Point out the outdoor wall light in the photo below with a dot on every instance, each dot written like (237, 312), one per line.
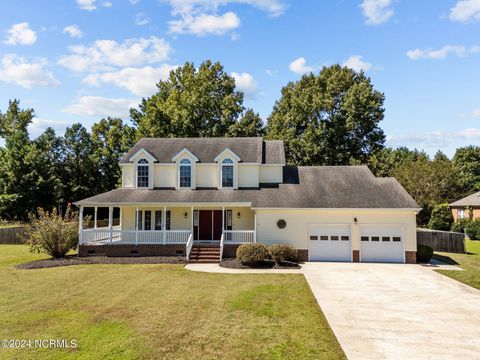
(185, 215)
(355, 221)
(238, 215)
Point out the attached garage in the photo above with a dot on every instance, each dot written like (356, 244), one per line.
(330, 242)
(382, 243)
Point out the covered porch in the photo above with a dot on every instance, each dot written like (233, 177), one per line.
(167, 224)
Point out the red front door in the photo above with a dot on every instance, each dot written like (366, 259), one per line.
(209, 224)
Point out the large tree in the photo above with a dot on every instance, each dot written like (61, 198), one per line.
(385, 161)
(111, 139)
(250, 124)
(23, 184)
(429, 183)
(191, 102)
(329, 119)
(467, 164)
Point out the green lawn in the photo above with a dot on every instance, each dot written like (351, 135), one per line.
(159, 312)
(470, 262)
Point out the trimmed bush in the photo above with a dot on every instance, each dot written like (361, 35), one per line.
(460, 225)
(472, 229)
(282, 252)
(441, 218)
(251, 254)
(424, 253)
(50, 233)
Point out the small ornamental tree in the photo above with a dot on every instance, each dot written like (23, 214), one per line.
(441, 218)
(51, 233)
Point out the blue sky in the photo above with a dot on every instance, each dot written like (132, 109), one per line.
(80, 60)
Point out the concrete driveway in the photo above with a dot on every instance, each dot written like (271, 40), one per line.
(397, 311)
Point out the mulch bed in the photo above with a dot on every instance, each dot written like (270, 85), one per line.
(75, 260)
(267, 264)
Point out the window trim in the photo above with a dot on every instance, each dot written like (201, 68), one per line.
(185, 163)
(144, 163)
(461, 213)
(227, 162)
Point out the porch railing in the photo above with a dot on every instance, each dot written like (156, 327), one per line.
(189, 246)
(239, 236)
(135, 237)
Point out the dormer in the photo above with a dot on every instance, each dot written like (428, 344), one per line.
(227, 167)
(143, 168)
(185, 162)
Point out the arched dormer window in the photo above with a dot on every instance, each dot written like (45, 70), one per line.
(142, 173)
(185, 176)
(227, 173)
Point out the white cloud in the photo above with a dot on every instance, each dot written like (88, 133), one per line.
(204, 24)
(39, 125)
(92, 4)
(87, 4)
(245, 83)
(134, 2)
(139, 81)
(105, 54)
(473, 114)
(141, 19)
(101, 106)
(465, 11)
(443, 52)
(73, 31)
(376, 11)
(17, 70)
(299, 66)
(436, 138)
(21, 34)
(201, 17)
(356, 63)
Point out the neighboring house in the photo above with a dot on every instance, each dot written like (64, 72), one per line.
(461, 208)
(180, 193)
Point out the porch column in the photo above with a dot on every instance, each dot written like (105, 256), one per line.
(136, 226)
(80, 225)
(191, 214)
(164, 223)
(95, 218)
(223, 219)
(110, 222)
(254, 226)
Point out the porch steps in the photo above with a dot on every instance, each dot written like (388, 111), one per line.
(205, 254)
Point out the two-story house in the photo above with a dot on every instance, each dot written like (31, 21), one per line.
(178, 194)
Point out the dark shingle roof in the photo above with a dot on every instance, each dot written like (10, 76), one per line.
(250, 150)
(470, 200)
(303, 187)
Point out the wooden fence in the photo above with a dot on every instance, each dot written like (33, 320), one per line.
(446, 241)
(12, 235)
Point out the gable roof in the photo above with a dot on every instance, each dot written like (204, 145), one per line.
(353, 187)
(470, 200)
(250, 150)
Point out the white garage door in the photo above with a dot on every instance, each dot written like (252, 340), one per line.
(330, 242)
(382, 243)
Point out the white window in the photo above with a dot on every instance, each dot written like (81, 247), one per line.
(227, 173)
(185, 176)
(461, 213)
(142, 173)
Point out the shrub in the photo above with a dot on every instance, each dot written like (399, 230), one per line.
(250, 254)
(472, 229)
(52, 234)
(424, 253)
(282, 252)
(460, 225)
(441, 218)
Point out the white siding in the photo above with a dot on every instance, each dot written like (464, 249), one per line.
(296, 231)
(207, 175)
(128, 176)
(248, 175)
(271, 174)
(164, 175)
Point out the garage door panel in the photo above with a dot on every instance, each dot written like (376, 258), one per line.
(330, 242)
(382, 243)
